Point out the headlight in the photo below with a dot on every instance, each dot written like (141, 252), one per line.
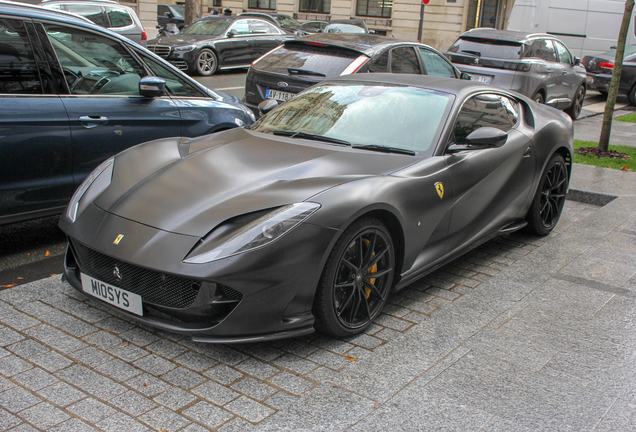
(256, 234)
(105, 167)
(185, 48)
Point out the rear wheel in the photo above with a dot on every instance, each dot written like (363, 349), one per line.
(577, 103)
(538, 98)
(548, 202)
(356, 281)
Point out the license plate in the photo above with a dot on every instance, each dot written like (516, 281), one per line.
(279, 95)
(480, 78)
(118, 297)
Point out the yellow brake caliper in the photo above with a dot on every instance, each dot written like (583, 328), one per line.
(367, 291)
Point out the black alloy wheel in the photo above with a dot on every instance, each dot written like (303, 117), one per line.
(356, 281)
(548, 202)
(577, 103)
(206, 62)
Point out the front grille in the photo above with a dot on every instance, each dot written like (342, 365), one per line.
(160, 50)
(230, 293)
(180, 64)
(154, 287)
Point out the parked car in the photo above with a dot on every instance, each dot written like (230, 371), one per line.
(314, 26)
(599, 72)
(536, 65)
(93, 95)
(282, 21)
(360, 185)
(300, 63)
(219, 42)
(105, 13)
(172, 14)
(347, 26)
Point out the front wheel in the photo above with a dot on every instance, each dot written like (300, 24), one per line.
(206, 62)
(577, 103)
(356, 281)
(548, 202)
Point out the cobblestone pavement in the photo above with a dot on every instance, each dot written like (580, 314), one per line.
(522, 333)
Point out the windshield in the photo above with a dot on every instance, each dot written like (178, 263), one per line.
(409, 118)
(179, 11)
(286, 21)
(488, 48)
(212, 27)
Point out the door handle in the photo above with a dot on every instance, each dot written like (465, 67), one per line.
(90, 122)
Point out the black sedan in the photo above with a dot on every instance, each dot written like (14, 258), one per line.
(219, 42)
(599, 70)
(307, 219)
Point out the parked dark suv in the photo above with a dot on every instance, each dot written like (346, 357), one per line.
(72, 94)
(303, 62)
(536, 65)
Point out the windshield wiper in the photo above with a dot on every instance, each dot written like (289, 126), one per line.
(294, 71)
(384, 149)
(477, 53)
(307, 135)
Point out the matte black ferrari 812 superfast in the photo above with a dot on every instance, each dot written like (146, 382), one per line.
(308, 218)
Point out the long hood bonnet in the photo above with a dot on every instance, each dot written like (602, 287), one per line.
(228, 174)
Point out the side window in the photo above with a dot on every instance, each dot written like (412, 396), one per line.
(485, 110)
(241, 27)
(94, 64)
(436, 65)
(563, 53)
(380, 63)
(18, 70)
(118, 17)
(92, 12)
(261, 27)
(177, 86)
(542, 49)
(161, 10)
(404, 60)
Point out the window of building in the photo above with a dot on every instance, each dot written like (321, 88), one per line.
(262, 4)
(374, 8)
(318, 6)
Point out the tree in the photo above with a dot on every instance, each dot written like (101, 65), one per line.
(603, 143)
(191, 11)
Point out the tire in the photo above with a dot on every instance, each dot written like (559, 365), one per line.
(206, 63)
(603, 93)
(632, 95)
(348, 298)
(577, 103)
(547, 204)
(538, 98)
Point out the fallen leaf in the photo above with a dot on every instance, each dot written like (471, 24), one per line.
(163, 430)
(125, 344)
(626, 168)
(47, 253)
(145, 385)
(351, 358)
(7, 286)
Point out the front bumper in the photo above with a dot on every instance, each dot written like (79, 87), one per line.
(260, 295)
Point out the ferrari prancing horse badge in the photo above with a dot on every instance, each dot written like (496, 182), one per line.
(439, 187)
(118, 239)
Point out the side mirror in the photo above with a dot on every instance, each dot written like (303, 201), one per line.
(232, 33)
(465, 76)
(151, 87)
(577, 61)
(482, 138)
(267, 105)
(168, 14)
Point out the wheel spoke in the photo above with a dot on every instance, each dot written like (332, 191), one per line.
(377, 258)
(356, 307)
(346, 303)
(350, 265)
(364, 301)
(344, 285)
(374, 289)
(369, 255)
(377, 274)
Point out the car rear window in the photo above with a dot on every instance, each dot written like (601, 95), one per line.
(489, 48)
(321, 60)
(119, 17)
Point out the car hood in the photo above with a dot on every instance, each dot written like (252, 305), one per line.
(181, 39)
(229, 174)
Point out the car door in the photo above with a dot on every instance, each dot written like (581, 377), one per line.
(570, 77)
(35, 139)
(107, 113)
(235, 48)
(264, 37)
(491, 185)
(547, 71)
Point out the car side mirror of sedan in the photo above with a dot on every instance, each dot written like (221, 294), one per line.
(232, 33)
(151, 87)
(267, 105)
(482, 138)
(465, 76)
(577, 61)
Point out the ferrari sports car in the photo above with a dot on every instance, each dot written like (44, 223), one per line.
(308, 219)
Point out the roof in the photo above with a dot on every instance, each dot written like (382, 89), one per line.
(360, 42)
(29, 10)
(504, 35)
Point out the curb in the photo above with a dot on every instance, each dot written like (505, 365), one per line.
(589, 197)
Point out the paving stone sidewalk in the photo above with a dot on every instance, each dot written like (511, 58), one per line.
(521, 334)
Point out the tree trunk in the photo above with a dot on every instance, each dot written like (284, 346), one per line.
(603, 142)
(191, 11)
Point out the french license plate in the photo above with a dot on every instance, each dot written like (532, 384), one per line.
(480, 78)
(118, 297)
(279, 95)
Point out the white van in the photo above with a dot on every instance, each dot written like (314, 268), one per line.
(586, 26)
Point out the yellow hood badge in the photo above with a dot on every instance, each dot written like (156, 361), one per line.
(118, 239)
(439, 187)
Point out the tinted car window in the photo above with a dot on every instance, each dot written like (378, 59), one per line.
(563, 53)
(404, 60)
(241, 27)
(261, 27)
(326, 61)
(161, 10)
(488, 48)
(119, 17)
(94, 64)
(380, 63)
(176, 85)
(213, 27)
(18, 71)
(543, 49)
(436, 65)
(92, 12)
(485, 110)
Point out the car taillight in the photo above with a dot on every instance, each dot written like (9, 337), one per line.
(355, 65)
(606, 65)
(144, 36)
(521, 67)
